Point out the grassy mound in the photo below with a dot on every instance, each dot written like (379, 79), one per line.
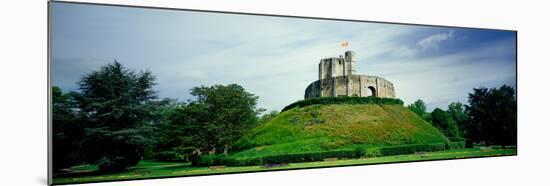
(316, 128)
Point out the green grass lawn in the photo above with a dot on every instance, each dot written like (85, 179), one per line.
(150, 169)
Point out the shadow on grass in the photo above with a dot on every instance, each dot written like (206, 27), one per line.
(177, 167)
(135, 170)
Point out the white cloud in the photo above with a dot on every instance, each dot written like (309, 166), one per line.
(434, 41)
(272, 57)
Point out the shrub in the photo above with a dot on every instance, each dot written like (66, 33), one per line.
(373, 152)
(456, 145)
(211, 160)
(360, 151)
(308, 157)
(343, 100)
(410, 149)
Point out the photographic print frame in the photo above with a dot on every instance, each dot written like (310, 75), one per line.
(316, 91)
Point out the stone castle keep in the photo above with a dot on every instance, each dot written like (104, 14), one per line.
(337, 78)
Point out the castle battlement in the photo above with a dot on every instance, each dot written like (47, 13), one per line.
(337, 78)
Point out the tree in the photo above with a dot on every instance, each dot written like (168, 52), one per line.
(185, 134)
(458, 113)
(444, 122)
(67, 130)
(160, 111)
(493, 115)
(419, 107)
(212, 123)
(232, 111)
(113, 102)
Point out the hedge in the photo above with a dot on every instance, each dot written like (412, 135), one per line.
(213, 160)
(411, 149)
(456, 145)
(343, 100)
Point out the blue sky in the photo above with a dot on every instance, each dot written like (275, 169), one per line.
(275, 57)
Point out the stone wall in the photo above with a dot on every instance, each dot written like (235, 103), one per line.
(353, 85)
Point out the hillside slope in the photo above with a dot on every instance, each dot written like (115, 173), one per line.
(337, 126)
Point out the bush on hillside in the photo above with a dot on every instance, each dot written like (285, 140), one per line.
(343, 100)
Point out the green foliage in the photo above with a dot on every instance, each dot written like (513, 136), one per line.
(412, 148)
(232, 112)
(185, 129)
(342, 100)
(459, 115)
(67, 130)
(456, 145)
(444, 122)
(112, 102)
(359, 151)
(213, 122)
(493, 114)
(212, 160)
(418, 107)
(160, 112)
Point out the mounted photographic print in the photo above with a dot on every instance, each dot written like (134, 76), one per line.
(140, 93)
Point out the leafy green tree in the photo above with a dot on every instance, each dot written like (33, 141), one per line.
(493, 115)
(113, 102)
(232, 112)
(419, 107)
(185, 134)
(212, 123)
(67, 130)
(458, 113)
(160, 111)
(444, 122)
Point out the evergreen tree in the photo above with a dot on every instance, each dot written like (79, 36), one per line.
(493, 115)
(67, 130)
(113, 102)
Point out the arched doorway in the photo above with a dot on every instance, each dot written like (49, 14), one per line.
(371, 92)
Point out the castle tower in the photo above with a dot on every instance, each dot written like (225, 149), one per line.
(350, 62)
(338, 77)
(334, 67)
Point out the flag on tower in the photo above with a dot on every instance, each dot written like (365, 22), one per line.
(344, 44)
